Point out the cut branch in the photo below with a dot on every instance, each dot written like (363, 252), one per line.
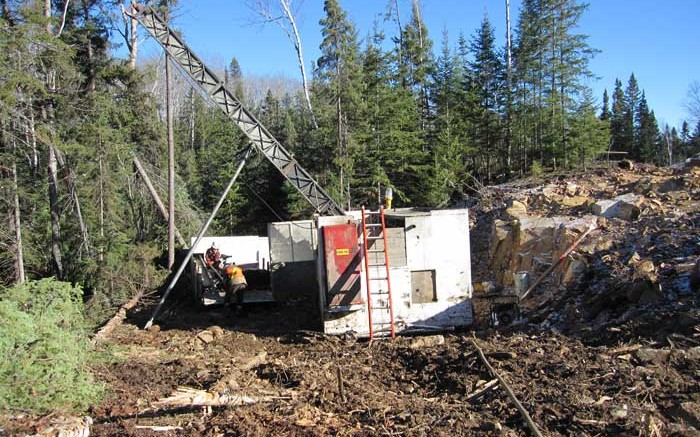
(530, 423)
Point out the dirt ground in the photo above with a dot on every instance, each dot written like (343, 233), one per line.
(587, 360)
(569, 386)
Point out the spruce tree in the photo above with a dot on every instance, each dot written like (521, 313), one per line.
(488, 81)
(605, 110)
(631, 117)
(338, 87)
(647, 132)
(622, 139)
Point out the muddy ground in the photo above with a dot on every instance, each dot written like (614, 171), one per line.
(585, 360)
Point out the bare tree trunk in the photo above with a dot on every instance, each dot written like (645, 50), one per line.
(16, 225)
(63, 18)
(30, 136)
(51, 166)
(398, 25)
(156, 198)
(171, 165)
(69, 178)
(133, 41)
(55, 214)
(47, 15)
(296, 40)
(263, 8)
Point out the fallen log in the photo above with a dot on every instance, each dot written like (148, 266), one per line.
(528, 420)
(117, 320)
(192, 397)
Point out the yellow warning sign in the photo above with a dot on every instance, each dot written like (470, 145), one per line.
(342, 252)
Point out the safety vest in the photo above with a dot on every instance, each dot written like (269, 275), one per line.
(236, 275)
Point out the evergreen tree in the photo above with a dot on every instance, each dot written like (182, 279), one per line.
(694, 143)
(488, 81)
(647, 132)
(684, 146)
(622, 138)
(338, 86)
(391, 149)
(448, 139)
(589, 134)
(551, 64)
(416, 63)
(605, 114)
(631, 117)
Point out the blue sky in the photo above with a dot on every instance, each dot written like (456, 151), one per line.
(657, 40)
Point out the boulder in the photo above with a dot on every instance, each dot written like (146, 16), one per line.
(574, 201)
(625, 207)
(516, 210)
(205, 337)
(575, 273)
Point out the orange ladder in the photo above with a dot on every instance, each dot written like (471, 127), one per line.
(379, 307)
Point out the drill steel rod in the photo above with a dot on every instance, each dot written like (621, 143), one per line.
(259, 136)
(559, 261)
(200, 234)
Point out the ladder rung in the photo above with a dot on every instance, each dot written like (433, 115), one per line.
(383, 278)
(376, 238)
(374, 225)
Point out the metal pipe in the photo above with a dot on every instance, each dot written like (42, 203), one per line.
(200, 234)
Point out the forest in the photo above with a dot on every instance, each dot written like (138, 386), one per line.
(432, 115)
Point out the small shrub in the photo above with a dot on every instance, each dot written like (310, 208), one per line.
(536, 168)
(45, 349)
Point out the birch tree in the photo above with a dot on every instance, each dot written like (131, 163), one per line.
(283, 14)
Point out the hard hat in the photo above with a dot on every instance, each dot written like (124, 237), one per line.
(214, 245)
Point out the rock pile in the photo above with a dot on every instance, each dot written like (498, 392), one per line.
(638, 264)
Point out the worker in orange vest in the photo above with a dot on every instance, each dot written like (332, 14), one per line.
(237, 285)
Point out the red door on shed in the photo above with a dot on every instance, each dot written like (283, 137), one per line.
(342, 256)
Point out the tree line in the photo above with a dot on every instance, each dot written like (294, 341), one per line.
(392, 108)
